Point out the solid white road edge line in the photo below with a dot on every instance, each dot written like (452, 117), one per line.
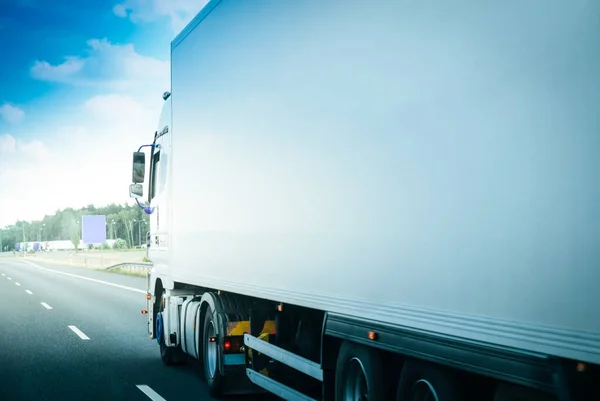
(153, 395)
(29, 292)
(45, 305)
(124, 287)
(80, 333)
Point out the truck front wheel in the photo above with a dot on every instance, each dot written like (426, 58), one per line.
(168, 355)
(211, 355)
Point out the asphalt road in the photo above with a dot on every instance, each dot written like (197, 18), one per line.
(64, 337)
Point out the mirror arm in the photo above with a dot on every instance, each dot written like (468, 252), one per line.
(145, 146)
(146, 209)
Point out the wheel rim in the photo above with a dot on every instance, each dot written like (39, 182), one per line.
(211, 351)
(423, 391)
(356, 388)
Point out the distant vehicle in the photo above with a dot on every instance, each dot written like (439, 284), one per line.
(380, 200)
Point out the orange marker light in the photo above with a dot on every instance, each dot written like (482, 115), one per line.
(280, 307)
(144, 312)
(212, 340)
(581, 367)
(148, 296)
(372, 335)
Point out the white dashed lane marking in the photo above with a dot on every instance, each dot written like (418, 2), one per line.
(153, 395)
(80, 333)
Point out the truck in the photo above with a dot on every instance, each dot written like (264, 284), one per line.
(383, 200)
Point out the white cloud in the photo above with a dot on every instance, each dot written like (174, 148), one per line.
(33, 149)
(107, 65)
(120, 11)
(8, 144)
(85, 158)
(11, 114)
(111, 107)
(88, 162)
(179, 12)
(21, 163)
(64, 73)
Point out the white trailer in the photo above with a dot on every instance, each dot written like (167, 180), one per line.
(380, 200)
(61, 245)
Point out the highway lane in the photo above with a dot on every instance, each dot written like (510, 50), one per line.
(66, 337)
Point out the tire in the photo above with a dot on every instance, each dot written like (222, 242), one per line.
(419, 377)
(359, 372)
(211, 355)
(168, 355)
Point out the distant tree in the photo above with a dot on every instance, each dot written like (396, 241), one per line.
(120, 243)
(75, 240)
(74, 234)
(62, 225)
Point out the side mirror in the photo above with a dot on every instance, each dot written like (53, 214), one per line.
(136, 191)
(139, 167)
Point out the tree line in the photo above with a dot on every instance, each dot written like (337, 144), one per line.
(127, 222)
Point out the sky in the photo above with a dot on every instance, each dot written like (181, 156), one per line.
(81, 86)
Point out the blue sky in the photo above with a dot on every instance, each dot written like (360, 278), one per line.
(80, 88)
(40, 30)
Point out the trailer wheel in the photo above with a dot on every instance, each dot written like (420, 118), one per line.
(211, 355)
(421, 381)
(359, 374)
